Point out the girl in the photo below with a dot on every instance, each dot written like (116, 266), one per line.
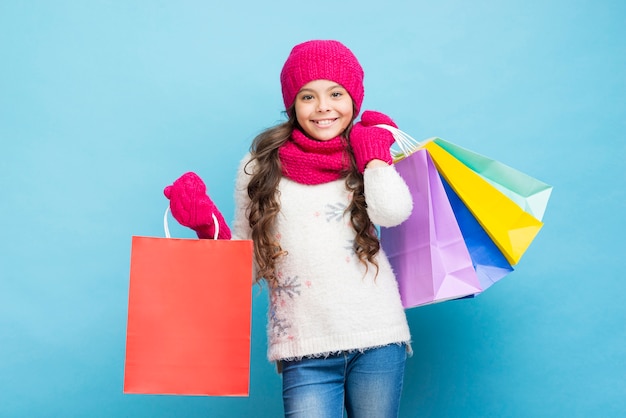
(309, 195)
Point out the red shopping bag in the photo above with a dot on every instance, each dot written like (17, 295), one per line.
(189, 316)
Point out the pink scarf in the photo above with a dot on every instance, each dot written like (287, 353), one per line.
(307, 161)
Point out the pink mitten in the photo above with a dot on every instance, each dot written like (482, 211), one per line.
(371, 143)
(193, 208)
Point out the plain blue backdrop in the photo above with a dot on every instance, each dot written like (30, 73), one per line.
(103, 103)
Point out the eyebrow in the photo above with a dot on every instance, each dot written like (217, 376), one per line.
(328, 89)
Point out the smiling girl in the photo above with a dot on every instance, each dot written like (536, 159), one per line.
(309, 194)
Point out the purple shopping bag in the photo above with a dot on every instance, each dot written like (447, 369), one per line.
(427, 251)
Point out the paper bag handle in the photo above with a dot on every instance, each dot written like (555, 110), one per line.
(167, 229)
(407, 144)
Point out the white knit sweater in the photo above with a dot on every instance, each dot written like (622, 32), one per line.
(326, 301)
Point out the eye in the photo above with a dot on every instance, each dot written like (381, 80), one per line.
(306, 97)
(336, 94)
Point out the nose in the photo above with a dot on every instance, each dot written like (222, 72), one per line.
(323, 105)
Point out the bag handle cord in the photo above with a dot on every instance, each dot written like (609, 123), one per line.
(167, 229)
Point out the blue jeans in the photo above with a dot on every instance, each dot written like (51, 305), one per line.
(367, 384)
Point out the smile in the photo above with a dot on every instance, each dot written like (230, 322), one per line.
(324, 122)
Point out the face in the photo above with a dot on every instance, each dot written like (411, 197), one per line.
(324, 109)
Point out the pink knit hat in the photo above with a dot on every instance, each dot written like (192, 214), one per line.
(322, 60)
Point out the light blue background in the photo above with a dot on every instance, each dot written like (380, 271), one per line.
(103, 103)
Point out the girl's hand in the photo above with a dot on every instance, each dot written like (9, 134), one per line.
(369, 142)
(193, 208)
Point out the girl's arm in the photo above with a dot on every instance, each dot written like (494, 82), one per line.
(389, 201)
(241, 226)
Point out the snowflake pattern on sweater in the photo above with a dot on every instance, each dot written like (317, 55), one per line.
(325, 300)
(280, 295)
(335, 212)
(289, 288)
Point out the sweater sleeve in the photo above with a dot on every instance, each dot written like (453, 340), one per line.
(241, 227)
(389, 201)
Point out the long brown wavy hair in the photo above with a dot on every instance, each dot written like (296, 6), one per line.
(264, 206)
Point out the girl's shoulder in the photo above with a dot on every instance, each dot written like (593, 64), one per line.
(247, 164)
(247, 168)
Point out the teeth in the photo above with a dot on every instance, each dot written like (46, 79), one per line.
(324, 122)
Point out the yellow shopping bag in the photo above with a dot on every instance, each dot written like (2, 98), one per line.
(509, 226)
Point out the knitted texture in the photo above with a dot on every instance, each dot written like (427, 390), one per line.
(308, 161)
(322, 60)
(324, 301)
(193, 208)
(369, 142)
